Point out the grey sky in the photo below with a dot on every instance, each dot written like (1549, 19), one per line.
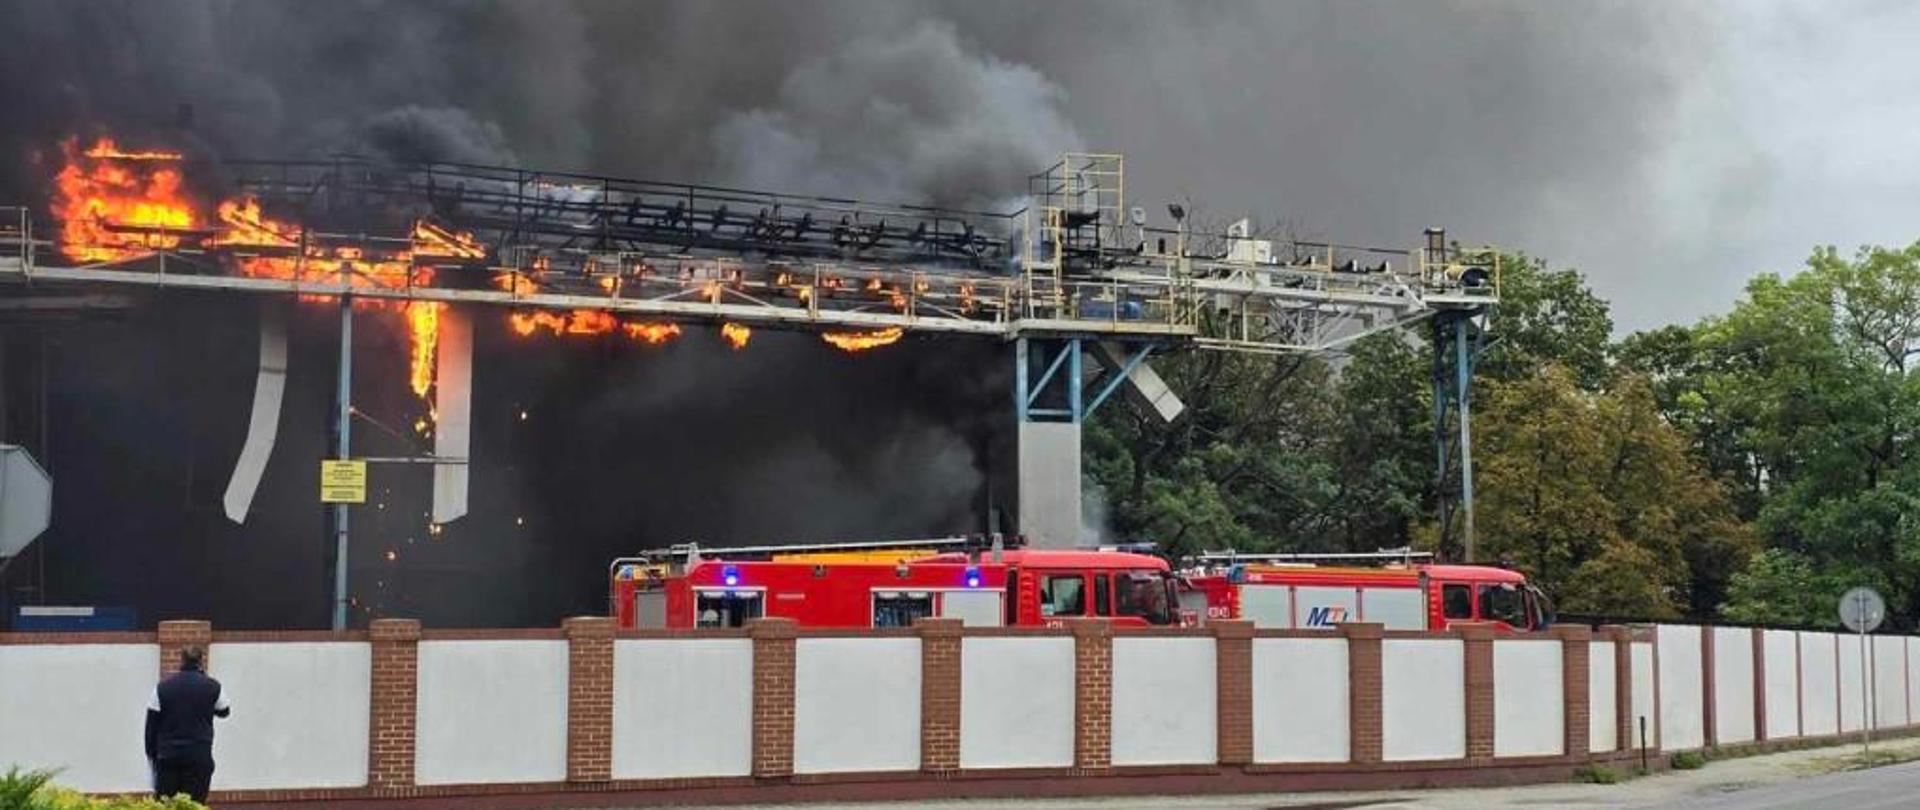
(1668, 150)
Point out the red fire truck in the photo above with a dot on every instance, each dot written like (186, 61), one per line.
(1407, 592)
(891, 584)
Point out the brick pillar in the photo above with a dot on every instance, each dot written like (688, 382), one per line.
(773, 643)
(1576, 652)
(1759, 684)
(1092, 695)
(589, 698)
(1363, 690)
(1707, 691)
(396, 681)
(1233, 689)
(940, 641)
(1479, 659)
(1624, 734)
(177, 634)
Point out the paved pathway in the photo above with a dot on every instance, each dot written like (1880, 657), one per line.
(1787, 781)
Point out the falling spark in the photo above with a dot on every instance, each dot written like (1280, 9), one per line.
(736, 335)
(523, 416)
(862, 341)
(392, 555)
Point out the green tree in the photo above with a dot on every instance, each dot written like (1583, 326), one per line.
(1548, 316)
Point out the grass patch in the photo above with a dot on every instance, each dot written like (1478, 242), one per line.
(1860, 761)
(1596, 775)
(1689, 761)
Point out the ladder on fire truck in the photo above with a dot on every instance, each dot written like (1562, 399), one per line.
(1404, 555)
(681, 555)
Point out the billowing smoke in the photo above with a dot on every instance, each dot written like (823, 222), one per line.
(910, 116)
(1367, 121)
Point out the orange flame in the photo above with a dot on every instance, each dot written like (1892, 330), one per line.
(516, 283)
(862, 341)
(105, 148)
(590, 322)
(111, 210)
(423, 327)
(736, 334)
(655, 333)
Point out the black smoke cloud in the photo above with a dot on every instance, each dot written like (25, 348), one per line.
(1364, 120)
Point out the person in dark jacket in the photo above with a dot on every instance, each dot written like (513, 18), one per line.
(180, 729)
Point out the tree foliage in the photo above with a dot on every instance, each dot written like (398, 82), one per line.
(1755, 463)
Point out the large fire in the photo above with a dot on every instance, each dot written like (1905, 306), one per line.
(116, 205)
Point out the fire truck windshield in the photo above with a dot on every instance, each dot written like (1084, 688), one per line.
(1145, 595)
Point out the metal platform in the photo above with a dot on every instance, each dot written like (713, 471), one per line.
(1076, 263)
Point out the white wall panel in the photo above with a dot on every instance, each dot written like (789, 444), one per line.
(1423, 699)
(300, 714)
(1855, 701)
(1646, 709)
(1889, 681)
(78, 708)
(1819, 687)
(1913, 678)
(1682, 692)
(491, 711)
(1164, 699)
(1603, 733)
(682, 708)
(1529, 709)
(1300, 700)
(856, 705)
(1016, 702)
(1783, 683)
(1733, 701)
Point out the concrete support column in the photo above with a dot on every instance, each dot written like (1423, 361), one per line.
(1092, 695)
(1576, 653)
(396, 683)
(1364, 689)
(589, 698)
(773, 677)
(1233, 689)
(940, 641)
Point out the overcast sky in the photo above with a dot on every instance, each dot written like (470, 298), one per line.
(1668, 150)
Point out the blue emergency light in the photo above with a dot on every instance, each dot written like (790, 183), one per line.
(730, 575)
(973, 576)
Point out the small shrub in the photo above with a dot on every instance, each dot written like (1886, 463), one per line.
(1689, 760)
(1596, 775)
(34, 790)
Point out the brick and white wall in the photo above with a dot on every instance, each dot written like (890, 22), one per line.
(774, 712)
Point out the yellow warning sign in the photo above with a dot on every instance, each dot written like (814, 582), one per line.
(343, 481)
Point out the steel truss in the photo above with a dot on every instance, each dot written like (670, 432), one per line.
(1075, 262)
